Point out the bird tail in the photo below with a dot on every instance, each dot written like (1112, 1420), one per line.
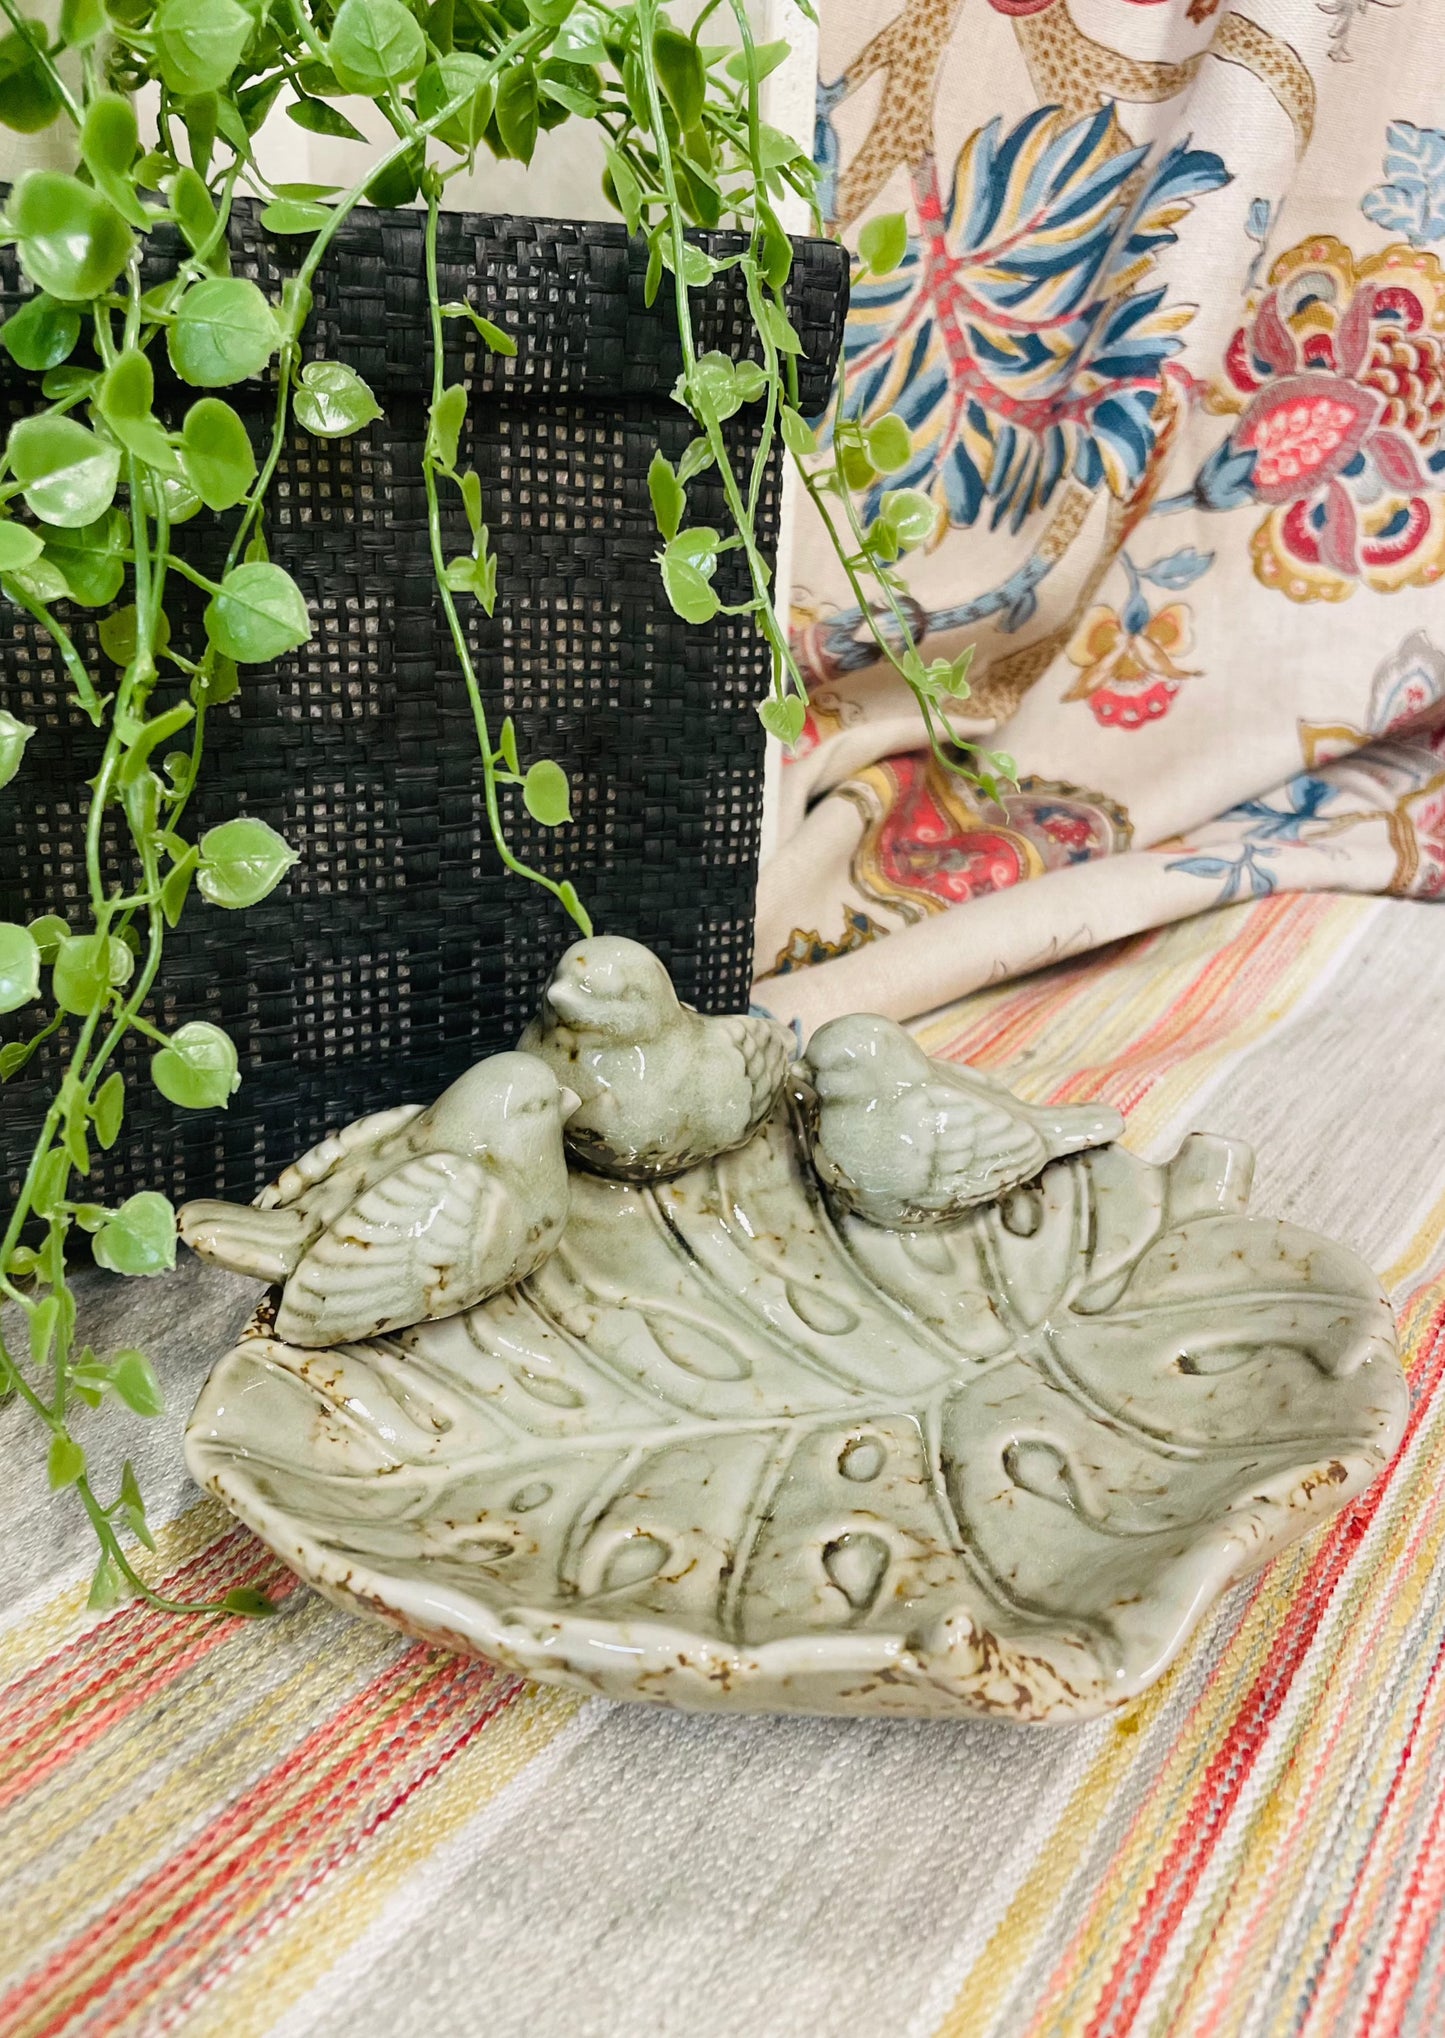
(1069, 1128)
(265, 1243)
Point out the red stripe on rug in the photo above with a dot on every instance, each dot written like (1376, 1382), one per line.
(120, 1632)
(1226, 975)
(1229, 1770)
(97, 1681)
(282, 1834)
(1419, 1905)
(999, 1038)
(211, 1946)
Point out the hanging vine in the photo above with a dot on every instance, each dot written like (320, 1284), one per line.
(96, 491)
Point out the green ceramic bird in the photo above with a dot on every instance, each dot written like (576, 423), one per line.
(662, 1087)
(908, 1142)
(408, 1215)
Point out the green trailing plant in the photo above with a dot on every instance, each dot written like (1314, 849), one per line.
(97, 490)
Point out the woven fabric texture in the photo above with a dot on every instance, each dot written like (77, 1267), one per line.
(314, 1829)
(398, 950)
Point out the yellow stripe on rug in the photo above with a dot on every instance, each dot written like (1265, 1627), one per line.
(318, 1936)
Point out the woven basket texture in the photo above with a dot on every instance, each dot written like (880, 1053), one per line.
(398, 950)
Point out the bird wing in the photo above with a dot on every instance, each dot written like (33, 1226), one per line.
(766, 1049)
(326, 1156)
(418, 1243)
(981, 1145)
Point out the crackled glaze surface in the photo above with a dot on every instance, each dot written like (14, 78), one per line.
(728, 1448)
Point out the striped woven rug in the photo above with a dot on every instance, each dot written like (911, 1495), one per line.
(310, 1826)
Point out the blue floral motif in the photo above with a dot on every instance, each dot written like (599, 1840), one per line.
(1266, 830)
(1411, 201)
(1014, 337)
(1257, 224)
(1180, 570)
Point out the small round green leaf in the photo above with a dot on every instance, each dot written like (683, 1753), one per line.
(784, 718)
(65, 385)
(43, 582)
(447, 79)
(224, 330)
(66, 1462)
(245, 1599)
(669, 498)
(47, 933)
(622, 189)
(318, 118)
(517, 114)
(241, 861)
(89, 557)
(118, 633)
(86, 967)
(41, 334)
(259, 614)
(294, 216)
(883, 243)
(19, 545)
(108, 1109)
(73, 243)
(110, 136)
(69, 476)
(497, 341)
(191, 204)
(398, 182)
(105, 1585)
(375, 45)
(128, 387)
(858, 470)
(28, 98)
(81, 22)
(181, 501)
(690, 591)
(109, 144)
(444, 424)
(889, 443)
(216, 453)
(545, 794)
(910, 514)
(19, 966)
(199, 43)
(133, 1378)
(13, 735)
(699, 546)
(332, 400)
(198, 1070)
(714, 387)
(798, 435)
(681, 73)
(140, 1237)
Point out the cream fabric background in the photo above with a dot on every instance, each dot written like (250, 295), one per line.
(1298, 331)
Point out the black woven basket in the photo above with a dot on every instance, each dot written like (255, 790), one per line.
(398, 950)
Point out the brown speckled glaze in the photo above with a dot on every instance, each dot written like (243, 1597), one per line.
(730, 1449)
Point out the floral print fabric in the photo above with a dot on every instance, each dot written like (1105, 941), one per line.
(1169, 336)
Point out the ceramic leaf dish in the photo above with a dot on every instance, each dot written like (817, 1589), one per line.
(731, 1448)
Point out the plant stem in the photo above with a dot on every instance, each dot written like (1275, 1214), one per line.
(784, 666)
(60, 637)
(458, 634)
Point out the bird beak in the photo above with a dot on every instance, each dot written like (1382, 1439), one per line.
(570, 1102)
(571, 1000)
